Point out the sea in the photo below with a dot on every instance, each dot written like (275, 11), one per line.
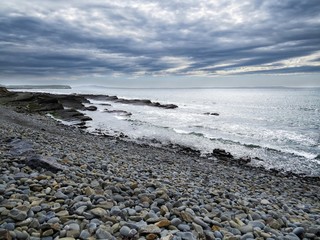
(279, 128)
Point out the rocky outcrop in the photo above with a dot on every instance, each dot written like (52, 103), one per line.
(67, 107)
(71, 115)
(3, 91)
(143, 102)
(223, 155)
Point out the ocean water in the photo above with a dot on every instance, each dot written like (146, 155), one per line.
(280, 126)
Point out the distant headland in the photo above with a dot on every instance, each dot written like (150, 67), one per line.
(37, 86)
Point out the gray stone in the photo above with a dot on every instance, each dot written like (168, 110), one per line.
(100, 212)
(53, 220)
(17, 214)
(115, 211)
(256, 224)
(299, 231)
(127, 232)
(184, 227)
(186, 235)
(150, 229)
(199, 221)
(247, 236)
(265, 202)
(9, 226)
(80, 210)
(291, 236)
(176, 221)
(218, 234)
(60, 195)
(102, 233)
(21, 235)
(246, 229)
(84, 234)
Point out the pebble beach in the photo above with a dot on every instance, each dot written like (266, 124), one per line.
(60, 182)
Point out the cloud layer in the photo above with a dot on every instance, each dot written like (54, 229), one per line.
(168, 37)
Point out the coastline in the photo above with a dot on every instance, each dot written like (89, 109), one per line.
(106, 188)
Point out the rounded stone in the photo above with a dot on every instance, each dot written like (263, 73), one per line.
(101, 233)
(100, 212)
(299, 231)
(127, 232)
(84, 234)
(184, 227)
(17, 214)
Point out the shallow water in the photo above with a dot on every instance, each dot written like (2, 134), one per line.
(279, 125)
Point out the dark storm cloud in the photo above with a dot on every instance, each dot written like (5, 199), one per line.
(159, 37)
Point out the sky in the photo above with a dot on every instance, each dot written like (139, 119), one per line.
(141, 42)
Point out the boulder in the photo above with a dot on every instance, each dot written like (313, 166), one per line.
(91, 108)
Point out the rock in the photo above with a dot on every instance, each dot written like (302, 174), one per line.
(152, 236)
(176, 221)
(184, 227)
(186, 216)
(89, 191)
(291, 236)
(17, 214)
(246, 229)
(200, 222)
(40, 162)
(247, 236)
(47, 233)
(150, 229)
(186, 235)
(265, 202)
(84, 234)
(163, 223)
(91, 108)
(62, 213)
(102, 233)
(222, 154)
(218, 234)
(4, 91)
(115, 211)
(299, 231)
(127, 232)
(256, 224)
(118, 112)
(212, 114)
(274, 224)
(100, 212)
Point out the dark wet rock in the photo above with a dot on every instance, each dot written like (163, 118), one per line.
(144, 102)
(4, 91)
(119, 112)
(72, 100)
(47, 163)
(91, 108)
(211, 114)
(222, 154)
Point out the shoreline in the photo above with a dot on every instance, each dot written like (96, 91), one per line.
(112, 189)
(74, 110)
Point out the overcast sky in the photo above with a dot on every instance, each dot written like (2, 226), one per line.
(145, 39)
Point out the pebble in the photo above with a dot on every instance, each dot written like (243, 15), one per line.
(84, 234)
(127, 232)
(100, 212)
(102, 233)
